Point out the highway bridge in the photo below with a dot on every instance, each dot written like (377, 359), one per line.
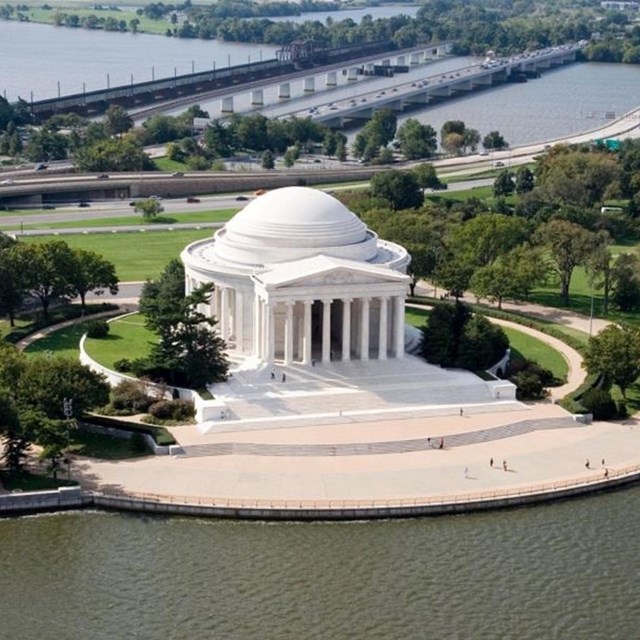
(223, 79)
(416, 94)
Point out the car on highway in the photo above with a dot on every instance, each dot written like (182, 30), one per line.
(192, 200)
(483, 153)
(7, 181)
(103, 176)
(177, 174)
(241, 198)
(499, 163)
(41, 167)
(83, 204)
(259, 192)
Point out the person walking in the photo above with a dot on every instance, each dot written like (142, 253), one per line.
(441, 445)
(587, 464)
(491, 462)
(284, 377)
(504, 465)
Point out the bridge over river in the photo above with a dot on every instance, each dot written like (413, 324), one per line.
(416, 94)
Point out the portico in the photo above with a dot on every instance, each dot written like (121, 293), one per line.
(299, 279)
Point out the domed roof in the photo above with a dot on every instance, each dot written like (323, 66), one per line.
(293, 223)
(298, 216)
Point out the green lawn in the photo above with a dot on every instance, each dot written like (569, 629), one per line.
(63, 342)
(523, 344)
(128, 338)
(136, 255)
(166, 164)
(97, 445)
(218, 215)
(37, 14)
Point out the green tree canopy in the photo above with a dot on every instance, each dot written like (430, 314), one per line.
(615, 352)
(399, 188)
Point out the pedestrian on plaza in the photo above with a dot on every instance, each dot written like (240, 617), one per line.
(429, 443)
(313, 362)
(461, 412)
(273, 374)
(466, 472)
(284, 377)
(441, 445)
(606, 473)
(602, 462)
(587, 464)
(491, 463)
(504, 465)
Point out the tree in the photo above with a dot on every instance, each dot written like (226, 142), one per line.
(599, 267)
(569, 245)
(290, 157)
(377, 133)
(91, 272)
(188, 351)
(625, 282)
(426, 176)
(615, 352)
(417, 140)
(503, 184)
(47, 270)
(268, 161)
(494, 140)
(14, 442)
(12, 285)
(161, 300)
(46, 382)
(117, 154)
(150, 208)
(524, 180)
(471, 140)
(399, 188)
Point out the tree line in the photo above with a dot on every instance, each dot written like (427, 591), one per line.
(49, 271)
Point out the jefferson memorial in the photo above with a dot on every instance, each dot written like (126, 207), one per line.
(299, 278)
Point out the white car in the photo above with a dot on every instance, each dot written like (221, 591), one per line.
(7, 181)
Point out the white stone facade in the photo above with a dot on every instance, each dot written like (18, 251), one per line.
(300, 279)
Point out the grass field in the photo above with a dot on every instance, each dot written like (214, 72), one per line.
(128, 338)
(521, 343)
(63, 342)
(138, 255)
(221, 215)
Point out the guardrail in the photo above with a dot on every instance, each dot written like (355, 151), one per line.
(599, 479)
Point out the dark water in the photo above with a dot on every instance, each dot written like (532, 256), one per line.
(566, 571)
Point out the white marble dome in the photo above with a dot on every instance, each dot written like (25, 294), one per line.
(293, 223)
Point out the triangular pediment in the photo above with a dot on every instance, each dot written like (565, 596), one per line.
(326, 271)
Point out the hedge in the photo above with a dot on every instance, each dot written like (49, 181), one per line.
(161, 436)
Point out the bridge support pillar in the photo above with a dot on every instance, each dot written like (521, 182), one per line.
(257, 98)
(352, 74)
(416, 58)
(309, 85)
(226, 104)
(284, 91)
(332, 79)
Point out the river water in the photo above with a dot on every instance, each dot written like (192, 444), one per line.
(562, 571)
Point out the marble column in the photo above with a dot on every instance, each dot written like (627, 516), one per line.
(306, 356)
(364, 329)
(326, 331)
(224, 313)
(382, 330)
(256, 327)
(270, 332)
(398, 328)
(346, 329)
(288, 334)
(239, 322)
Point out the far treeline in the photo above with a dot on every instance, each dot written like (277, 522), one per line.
(113, 144)
(538, 228)
(475, 26)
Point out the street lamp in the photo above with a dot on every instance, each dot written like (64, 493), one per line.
(67, 409)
